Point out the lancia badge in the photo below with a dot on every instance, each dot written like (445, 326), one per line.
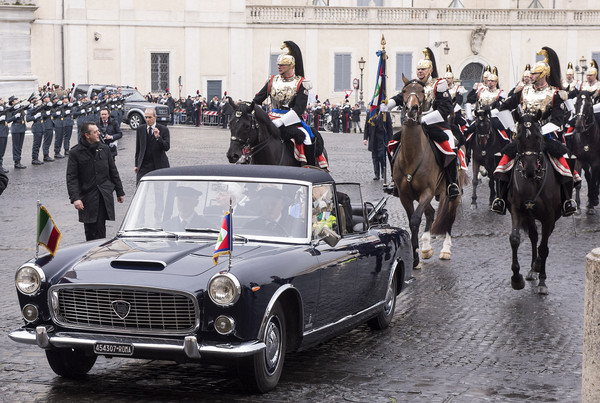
(121, 308)
(586, 148)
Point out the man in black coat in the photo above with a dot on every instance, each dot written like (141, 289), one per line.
(110, 131)
(92, 177)
(151, 145)
(171, 105)
(375, 137)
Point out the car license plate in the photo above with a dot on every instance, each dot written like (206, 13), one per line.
(113, 348)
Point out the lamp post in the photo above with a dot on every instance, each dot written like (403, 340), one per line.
(361, 66)
(446, 47)
(583, 65)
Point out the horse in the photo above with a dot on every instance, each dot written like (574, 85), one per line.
(256, 140)
(418, 177)
(484, 146)
(534, 194)
(586, 147)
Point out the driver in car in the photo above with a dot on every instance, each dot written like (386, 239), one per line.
(186, 201)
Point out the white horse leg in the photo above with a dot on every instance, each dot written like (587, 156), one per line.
(426, 250)
(445, 253)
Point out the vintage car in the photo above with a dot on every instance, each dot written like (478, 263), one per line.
(309, 261)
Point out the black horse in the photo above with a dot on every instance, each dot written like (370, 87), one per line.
(534, 194)
(256, 140)
(486, 142)
(586, 147)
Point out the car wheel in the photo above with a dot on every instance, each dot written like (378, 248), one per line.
(261, 372)
(70, 363)
(135, 120)
(384, 318)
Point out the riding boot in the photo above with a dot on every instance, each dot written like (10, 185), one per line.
(391, 187)
(499, 203)
(451, 171)
(309, 152)
(569, 206)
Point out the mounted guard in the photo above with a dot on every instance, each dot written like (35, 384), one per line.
(545, 98)
(437, 106)
(288, 91)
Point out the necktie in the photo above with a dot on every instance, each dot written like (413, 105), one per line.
(150, 131)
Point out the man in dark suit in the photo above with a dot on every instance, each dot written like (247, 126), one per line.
(92, 177)
(187, 217)
(274, 219)
(151, 146)
(375, 136)
(110, 132)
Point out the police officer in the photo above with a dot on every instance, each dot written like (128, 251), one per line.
(17, 131)
(68, 123)
(3, 133)
(49, 101)
(58, 120)
(36, 115)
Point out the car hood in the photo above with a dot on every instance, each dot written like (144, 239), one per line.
(122, 259)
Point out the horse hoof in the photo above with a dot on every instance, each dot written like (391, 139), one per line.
(542, 290)
(473, 206)
(531, 276)
(445, 255)
(519, 284)
(418, 266)
(591, 211)
(426, 254)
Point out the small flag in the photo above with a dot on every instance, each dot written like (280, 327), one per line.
(48, 234)
(225, 241)
(379, 95)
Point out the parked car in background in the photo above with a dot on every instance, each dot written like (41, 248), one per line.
(309, 261)
(135, 103)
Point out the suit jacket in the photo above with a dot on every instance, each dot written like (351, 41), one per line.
(375, 134)
(164, 143)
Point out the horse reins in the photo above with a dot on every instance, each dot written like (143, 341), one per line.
(249, 151)
(529, 204)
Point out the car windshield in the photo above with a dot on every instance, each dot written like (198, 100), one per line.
(133, 96)
(196, 208)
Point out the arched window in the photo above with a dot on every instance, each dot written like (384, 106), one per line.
(470, 75)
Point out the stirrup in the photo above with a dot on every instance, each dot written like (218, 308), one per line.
(498, 206)
(453, 191)
(569, 207)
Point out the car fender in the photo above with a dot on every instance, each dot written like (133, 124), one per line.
(287, 289)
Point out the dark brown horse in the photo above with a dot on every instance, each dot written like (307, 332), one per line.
(418, 177)
(586, 147)
(485, 144)
(256, 140)
(534, 194)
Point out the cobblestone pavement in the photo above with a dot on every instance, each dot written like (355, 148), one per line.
(460, 333)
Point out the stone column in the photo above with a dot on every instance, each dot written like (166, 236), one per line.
(16, 17)
(590, 389)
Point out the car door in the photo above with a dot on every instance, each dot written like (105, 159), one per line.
(337, 264)
(371, 268)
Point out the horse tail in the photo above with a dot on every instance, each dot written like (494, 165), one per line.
(445, 216)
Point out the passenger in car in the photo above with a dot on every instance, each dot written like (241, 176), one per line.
(186, 201)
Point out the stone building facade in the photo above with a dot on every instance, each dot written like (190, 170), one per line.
(231, 45)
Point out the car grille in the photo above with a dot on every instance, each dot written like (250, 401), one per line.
(136, 310)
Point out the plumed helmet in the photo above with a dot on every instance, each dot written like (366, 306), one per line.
(487, 71)
(428, 62)
(549, 67)
(527, 72)
(570, 69)
(593, 69)
(493, 76)
(292, 56)
(449, 73)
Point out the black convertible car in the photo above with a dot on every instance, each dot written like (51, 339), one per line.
(309, 261)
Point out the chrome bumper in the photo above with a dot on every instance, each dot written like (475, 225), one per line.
(189, 347)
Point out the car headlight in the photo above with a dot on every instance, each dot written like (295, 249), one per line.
(29, 279)
(224, 289)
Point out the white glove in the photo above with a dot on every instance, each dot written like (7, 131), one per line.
(18, 115)
(38, 115)
(48, 113)
(442, 86)
(391, 104)
(2, 118)
(278, 122)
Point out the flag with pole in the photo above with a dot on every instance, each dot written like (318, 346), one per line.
(224, 244)
(380, 93)
(48, 234)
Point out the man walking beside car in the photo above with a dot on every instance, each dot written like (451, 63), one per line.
(92, 177)
(151, 145)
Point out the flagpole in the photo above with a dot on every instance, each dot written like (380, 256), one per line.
(384, 89)
(37, 234)
(230, 235)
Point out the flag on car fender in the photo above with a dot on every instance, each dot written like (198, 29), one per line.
(48, 234)
(225, 241)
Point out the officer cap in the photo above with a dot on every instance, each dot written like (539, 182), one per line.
(12, 98)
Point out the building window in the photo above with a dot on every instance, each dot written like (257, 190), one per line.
(365, 3)
(342, 80)
(213, 88)
(471, 74)
(596, 57)
(403, 66)
(159, 68)
(273, 65)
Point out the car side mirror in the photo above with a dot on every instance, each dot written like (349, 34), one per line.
(330, 237)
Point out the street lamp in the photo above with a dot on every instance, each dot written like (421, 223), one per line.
(361, 66)
(446, 48)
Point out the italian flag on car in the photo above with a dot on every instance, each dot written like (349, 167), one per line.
(48, 234)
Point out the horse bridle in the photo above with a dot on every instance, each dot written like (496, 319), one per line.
(419, 104)
(540, 171)
(586, 126)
